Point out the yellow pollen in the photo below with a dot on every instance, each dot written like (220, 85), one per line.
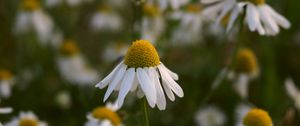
(151, 10)
(105, 113)
(5, 74)
(69, 48)
(193, 8)
(30, 5)
(246, 62)
(225, 19)
(141, 54)
(257, 117)
(104, 8)
(28, 122)
(258, 2)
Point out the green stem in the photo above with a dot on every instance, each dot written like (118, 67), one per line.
(146, 118)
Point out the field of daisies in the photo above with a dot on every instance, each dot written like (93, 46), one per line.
(149, 63)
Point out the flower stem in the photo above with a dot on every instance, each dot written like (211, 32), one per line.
(146, 118)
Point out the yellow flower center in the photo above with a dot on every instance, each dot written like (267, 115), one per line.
(151, 10)
(141, 54)
(105, 113)
(193, 8)
(28, 122)
(104, 8)
(30, 5)
(257, 117)
(5, 75)
(69, 48)
(258, 2)
(246, 62)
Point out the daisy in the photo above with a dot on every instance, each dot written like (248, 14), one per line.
(114, 51)
(210, 116)
(26, 119)
(63, 99)
(104, 116)
(240, 112)
(32, 17)
(142, 70)
(153, 23)
(293, 92)
(165, 4)
(245, 69)
(105, 19)
(6, 83)
(73, 66)
(257, 117)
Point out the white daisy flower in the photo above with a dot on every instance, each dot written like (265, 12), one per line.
(73, 67)
(240, 112)
(32, 17)
(165, 4)
(114, 51)
(105, 19)
(153, 24)
(104, 116)
(142, 70)
(63, 99)
(210, 116)
(245, 69)
(257, 117)
(6, 83)
(293, 92)
(26, 119)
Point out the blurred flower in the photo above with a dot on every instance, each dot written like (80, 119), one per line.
(72, 3)
(6, 82)
(257, 117)
(5, 110)
(31, 16)
(63, 99)
(240, 112)
(104, 116)
(114, 51)
(245, 69)
(73, 66)
(293, 92)
(153, 23)
(164, 4)
(26, 119)
(105, 19)
(139, 70)
(210, 116)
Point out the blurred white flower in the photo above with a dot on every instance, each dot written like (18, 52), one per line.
(293, 92)
(73, 67)
(104, 116)
(26, 119)
(6, 83)
(32, 17)
(153, 24)
(105, 19)
(114, 51)
(5, 110)
(210, 116)
(165, 4)
(141, 70)
(63, 99)
(240, 112)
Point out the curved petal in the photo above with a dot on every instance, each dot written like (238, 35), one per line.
(168, 91)
(172, 74)
(161, 100)
(252, 17)
(291, 88)
(267, 20)
(147, 87)
(282, 21)
(126, 85)
(102, 84)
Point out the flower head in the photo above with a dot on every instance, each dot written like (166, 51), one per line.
(30, 5)
(246, 62)
(193, 8)
(5, 74)
(257, 117)
(210, 116)
(258, 2)
(105, 113)
(26, 119)
(151, 10)
(69, 48)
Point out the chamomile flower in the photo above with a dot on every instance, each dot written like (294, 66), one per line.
(257, 117)
(142, 70)
(210, 116)
(105, 19)
(32, 17)
(6, 83)
(104, 116)
(114, 51)
(153, 23)
(165, 4)
(240, 112)
(245, 69)
(73, 67)
(293, 92)
(26, 119)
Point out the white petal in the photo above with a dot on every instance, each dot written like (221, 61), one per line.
(228, 5)
(208, 1)
(102, 84)
(170, 82)
(147, 87)
(172, 74)
(115, 81)
(268, 20)
(282, 21)
(135, 84)
(291, 88)
(241, 85)
(252, 17)
(126, 85)
(168, 91)
(5, 110)
(234, 14)
(161, 100)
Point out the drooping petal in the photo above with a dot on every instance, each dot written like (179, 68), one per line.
(172, 74)
(102, 84)
(282, 21)
(252, 17)
(267, 20)
(126, 85)
(161, 100)
(147, 87)
(291, 89)
(168, 91)
(241, 85)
